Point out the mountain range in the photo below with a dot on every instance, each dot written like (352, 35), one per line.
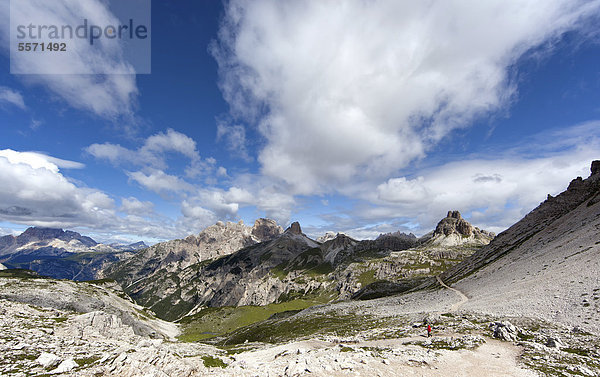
(62, 254)
(179, 278)
(264, 301)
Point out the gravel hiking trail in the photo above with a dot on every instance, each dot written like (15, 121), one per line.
(463, 297)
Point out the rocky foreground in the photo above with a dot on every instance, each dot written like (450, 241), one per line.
(347, 338)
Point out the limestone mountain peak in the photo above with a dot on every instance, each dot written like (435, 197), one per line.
(265, 229)
(294, 228)
(595, 167)
(453, 223)
(453, 230)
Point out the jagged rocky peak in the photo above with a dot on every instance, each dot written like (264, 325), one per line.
(294, 228)
(397, 234)
(453, 223)
(43, 234)
(266, 229)
(328, 236)
(262, 230)
(220, 230)
(453, 230)
(595, 167)
(397, 241)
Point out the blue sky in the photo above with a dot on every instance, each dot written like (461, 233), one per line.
(357, 117)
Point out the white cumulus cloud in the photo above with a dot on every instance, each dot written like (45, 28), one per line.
(34, 191)
(355, 90)
(134, 206)
(158, 181)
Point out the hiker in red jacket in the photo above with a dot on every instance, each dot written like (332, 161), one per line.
(428, 331)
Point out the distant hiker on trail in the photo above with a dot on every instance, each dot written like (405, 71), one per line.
(428, 331)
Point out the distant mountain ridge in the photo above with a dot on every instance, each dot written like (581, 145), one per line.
(61, 254)
(10, 244)
(34, 238)
(215, 241)
(226, 265)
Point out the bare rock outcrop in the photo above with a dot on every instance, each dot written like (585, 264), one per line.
(294, 228)
(453, 223)
(595, 167)
(504, 330)
(453, 230)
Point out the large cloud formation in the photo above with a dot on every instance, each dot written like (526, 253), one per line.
(355, 90)
(203, 202)
(108, 96)
(35, 191)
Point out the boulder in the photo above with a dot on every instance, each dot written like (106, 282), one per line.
(66, 366)
(48, 360)
(504, 330)
(554, 342)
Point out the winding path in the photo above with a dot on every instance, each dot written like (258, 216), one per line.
(463, 297)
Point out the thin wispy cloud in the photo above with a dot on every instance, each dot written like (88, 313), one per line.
(9, 96)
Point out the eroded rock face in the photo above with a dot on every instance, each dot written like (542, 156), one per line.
(454, 223)
(595, 167)
(294, 228)
(453, 230)
(504, 331)
(156, 273)
(106, 307)
(265, 229)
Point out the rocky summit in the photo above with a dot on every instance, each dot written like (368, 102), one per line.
(453, 230)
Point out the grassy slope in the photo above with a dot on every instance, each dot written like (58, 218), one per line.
(213, 322)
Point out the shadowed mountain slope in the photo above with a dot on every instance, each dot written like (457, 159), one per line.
(546, 265)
